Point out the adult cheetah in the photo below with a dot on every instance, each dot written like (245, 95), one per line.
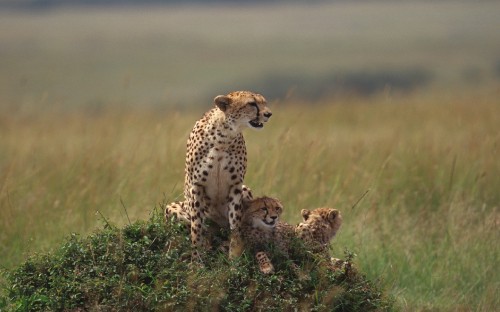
(216, 163)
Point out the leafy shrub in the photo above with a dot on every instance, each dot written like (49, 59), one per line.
(146, 266)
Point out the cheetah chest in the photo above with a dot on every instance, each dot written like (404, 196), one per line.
(219, 177)
(223, 170)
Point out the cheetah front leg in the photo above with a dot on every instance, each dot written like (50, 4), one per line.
(196, 212)
(236, 240)
(265, 265)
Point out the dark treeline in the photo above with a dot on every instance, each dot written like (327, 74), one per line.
(361, 82)
(48, 4)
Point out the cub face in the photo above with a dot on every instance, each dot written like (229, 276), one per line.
(244, 109)
(262, 212)
(328, 219)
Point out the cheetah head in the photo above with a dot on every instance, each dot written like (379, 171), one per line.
(262, 212)
(244, 109)
(327, 219)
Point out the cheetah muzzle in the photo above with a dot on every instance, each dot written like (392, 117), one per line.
(257, 122)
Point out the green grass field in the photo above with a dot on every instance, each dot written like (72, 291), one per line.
(427, 228)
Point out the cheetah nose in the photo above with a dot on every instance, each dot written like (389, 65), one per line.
(268, 114)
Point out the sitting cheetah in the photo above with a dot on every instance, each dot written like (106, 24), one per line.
(216, 164)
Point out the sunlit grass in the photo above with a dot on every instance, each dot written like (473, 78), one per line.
(427, 227)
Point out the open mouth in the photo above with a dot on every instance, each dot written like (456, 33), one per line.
(256, 123)
(270, 223)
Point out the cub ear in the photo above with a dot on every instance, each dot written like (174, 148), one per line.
(280, 206)
(222, 102)
(305, 214)
(332, 214)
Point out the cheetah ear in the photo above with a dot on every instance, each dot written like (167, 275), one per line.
(222, 102)
(332, 214)
(245, 202)
(305, 214)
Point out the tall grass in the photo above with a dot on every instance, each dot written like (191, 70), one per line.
(428, 226)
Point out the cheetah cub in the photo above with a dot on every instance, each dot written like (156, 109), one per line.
(318, 228)
(261, 226)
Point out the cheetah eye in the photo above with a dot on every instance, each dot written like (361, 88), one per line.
(253, 104)
(263, 209)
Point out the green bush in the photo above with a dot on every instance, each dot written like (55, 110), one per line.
(146, 266)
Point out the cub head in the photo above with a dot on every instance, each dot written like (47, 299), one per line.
(262, 212)
(244, 109)
(327, 219)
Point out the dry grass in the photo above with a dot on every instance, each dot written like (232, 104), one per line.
(428, 226)
(81, 131)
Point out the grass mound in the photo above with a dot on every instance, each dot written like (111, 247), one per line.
(145, 266)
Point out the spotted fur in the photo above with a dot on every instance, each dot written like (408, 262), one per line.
(265, 264)
(318, 228)
(216, 163)
(260, 219)
(180, 211)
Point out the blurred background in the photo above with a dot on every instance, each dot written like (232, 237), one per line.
(164, 53)
(397, 100)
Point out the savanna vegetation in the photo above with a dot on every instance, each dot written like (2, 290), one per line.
(387, 111)
(146, 267)
(426, 230)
